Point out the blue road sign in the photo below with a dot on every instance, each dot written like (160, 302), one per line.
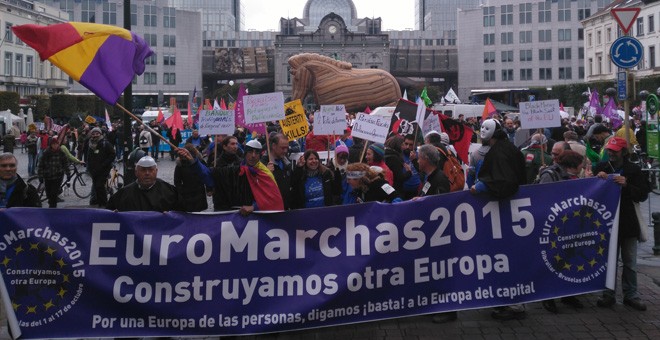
(621, 85)
(626, 52)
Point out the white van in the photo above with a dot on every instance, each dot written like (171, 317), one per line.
(454, 110)
(148, 116)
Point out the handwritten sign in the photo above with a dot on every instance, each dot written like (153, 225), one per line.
(432, 122)
(295, 124)
(371, 128)
(540, 114)
(265, 107)
(331, 120)
(216, 122)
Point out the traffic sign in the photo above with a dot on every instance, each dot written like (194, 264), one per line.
(625, 17)
(626, 52)
(622, 88)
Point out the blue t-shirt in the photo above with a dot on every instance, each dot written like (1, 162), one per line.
(314, 192)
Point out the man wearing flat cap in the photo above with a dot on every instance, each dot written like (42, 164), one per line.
(147, 193)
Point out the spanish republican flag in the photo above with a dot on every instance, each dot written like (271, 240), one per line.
(264, 188)
(103, 58)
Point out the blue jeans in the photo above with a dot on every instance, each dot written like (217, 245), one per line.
(32, 164)
(627, 248)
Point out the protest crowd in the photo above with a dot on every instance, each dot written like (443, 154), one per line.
(248, 171)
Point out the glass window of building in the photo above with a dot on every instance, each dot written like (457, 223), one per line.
(525, 13)
(507, 75)
(507, 38)
(18, 71)
(640, 26)
(489, 39)
(545, 11)
(565, 73)
(169, 78)
(564, 10)
(489, 16)
(151, 60)
(88, 11)
(506, 13)
(581, 53)
(29, 66)
(134, 16)
(564, 34)
(581, 72)
(109, 13)
(150, 17)
(545, 35)
(525, 37)
(150, 78)
(489, 57)
(9, 34)
(599, 38)
(545, 54)
(526, 55)
(151, 39)
(8, 63)
(169, 40)
(507, 56)
(584, 9)
(489, 75)
(652, 56)
(525, 74)
(565, 53)
(169, 17)
(580, 34)
(67, 6)
(651, 21)
(169, 60)
(545, 74)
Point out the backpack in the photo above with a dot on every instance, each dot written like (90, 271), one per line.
(453, 170)
(553, 170)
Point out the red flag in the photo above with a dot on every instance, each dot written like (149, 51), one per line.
(201, 107)
(489, 110)
(160, 117)
(459, 135)
(175, 121)
(264, 188)
(223, 105)
(367, 110)
(207, 104)
(561, 107)
(190, 114)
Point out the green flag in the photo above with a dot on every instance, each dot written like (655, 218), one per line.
(425, 97)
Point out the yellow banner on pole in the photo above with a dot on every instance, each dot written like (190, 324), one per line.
(295, 124)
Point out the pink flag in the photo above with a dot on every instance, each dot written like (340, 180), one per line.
(107, 120)
(240, 114)
(610, 111)
(190, 115)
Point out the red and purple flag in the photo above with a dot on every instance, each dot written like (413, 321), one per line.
(103, 58)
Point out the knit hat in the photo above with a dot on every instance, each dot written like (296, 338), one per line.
(341, 149)
(96, 130)
(444, 138)
(378, 148)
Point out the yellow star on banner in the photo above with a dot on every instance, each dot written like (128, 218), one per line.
(34, 246)
(553, 244)
(558, 258)
(61, 262)
(6, 261)
(50, 251)
(65, 277)
(602, 236)
(49, 304)
(61, 292)
(593, 262)
(556, 230)
(580, 268)
(19, 249)
(31, 309)
(564, 218)
(588, 214)
(597, 223)
(15, 306)
(567, 266)
(601, 250)
(576, 213)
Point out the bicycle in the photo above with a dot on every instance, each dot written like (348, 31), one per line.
(81, 182)
(115, 181)
(649, 166)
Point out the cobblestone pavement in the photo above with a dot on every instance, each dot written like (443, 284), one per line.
(592, 322)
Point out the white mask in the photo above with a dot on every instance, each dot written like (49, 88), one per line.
(488, 128)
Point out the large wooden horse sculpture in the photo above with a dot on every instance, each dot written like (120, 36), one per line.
(336, 82)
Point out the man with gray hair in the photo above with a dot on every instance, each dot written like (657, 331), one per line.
(14, 191)
(436, 180)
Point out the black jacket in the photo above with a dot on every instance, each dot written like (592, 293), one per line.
(636, 190)
(503, 169)
(298, 187)
(283, 180)
(394, 161)
(377, 191)
(436, 183)
(162, 196)
(190, 186)
(23, 195)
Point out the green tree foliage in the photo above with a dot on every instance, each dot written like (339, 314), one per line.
(9, 101)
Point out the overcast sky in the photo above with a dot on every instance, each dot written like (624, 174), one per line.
(264, 15)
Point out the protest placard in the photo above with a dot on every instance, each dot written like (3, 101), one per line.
(431, 123)
(265, 107)
(294, 125)
(371, 128)
(540, 114)
(330, 120)
(216, 122)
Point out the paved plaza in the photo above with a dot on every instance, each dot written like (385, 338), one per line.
(591, 322)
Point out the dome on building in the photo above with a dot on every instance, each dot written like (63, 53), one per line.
(315, 10)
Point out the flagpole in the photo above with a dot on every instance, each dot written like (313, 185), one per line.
(146, 126)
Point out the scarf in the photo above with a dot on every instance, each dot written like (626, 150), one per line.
(4, 184)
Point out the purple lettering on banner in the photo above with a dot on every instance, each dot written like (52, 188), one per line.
(107, 274)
